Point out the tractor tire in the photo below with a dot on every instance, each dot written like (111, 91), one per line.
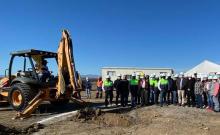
(60, 102)
(20, 95)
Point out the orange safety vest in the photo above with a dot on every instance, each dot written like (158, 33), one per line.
(99, 83)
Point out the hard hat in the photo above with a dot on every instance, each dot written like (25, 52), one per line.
(107, 76)
(176, 75)
(119, 75)
(133, 74)
(151, 76)
(198, 77)
(142, 74)
(163, 74)
(218, 73)
(168, 74)
(154, 74)
(215, 77)
(210, 77)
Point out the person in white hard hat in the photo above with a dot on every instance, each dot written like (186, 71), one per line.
(169, 89)
(117, 87)
(156, 90)
(204, 79)
(108, 88)
(144, 87)
(133, 86)
(198, 89)
(139, 78)
(152, 86)
(181, 87)
(88, 87)
(207, 90)
(162, 86)
(174, 92)
(215, 93)
(124, 91)
(190, 95)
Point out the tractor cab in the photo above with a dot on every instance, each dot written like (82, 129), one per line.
(32, 69)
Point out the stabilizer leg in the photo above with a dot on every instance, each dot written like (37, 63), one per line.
(31, 106)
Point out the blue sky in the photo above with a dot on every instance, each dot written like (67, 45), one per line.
(142, 33)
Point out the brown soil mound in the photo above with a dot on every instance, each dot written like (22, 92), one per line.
(96, 116)
(115, 120)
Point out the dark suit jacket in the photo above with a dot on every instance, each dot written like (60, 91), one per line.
(184, 84)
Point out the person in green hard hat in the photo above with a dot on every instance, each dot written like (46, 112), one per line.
(133, 86)
(162, 86)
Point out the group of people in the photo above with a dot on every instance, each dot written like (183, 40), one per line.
(166, 89)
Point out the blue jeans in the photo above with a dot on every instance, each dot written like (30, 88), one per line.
(210, 101)
(152, 96)
(199, 100)
(174, 97)
(162, 97)
(88, 93)
(216, 103)
(133, 98)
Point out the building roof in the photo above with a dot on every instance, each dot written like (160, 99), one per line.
(136, 68)
(205, 67)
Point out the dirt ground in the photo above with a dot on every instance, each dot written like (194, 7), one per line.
(169, 120)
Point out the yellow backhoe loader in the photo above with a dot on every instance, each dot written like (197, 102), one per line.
(29, 87)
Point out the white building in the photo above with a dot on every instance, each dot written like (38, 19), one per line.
(113, 71)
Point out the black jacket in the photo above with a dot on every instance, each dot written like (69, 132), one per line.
(124, 86)
(191, 84)
(170, 84)
(174, 85)
(117, 84)
(184, 84)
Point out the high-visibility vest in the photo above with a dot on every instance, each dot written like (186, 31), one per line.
(108, 83)
(155, 83)
(134, 82)
(163, 81)
(152, 81)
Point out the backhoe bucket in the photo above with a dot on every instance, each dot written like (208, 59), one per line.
(66, 65)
